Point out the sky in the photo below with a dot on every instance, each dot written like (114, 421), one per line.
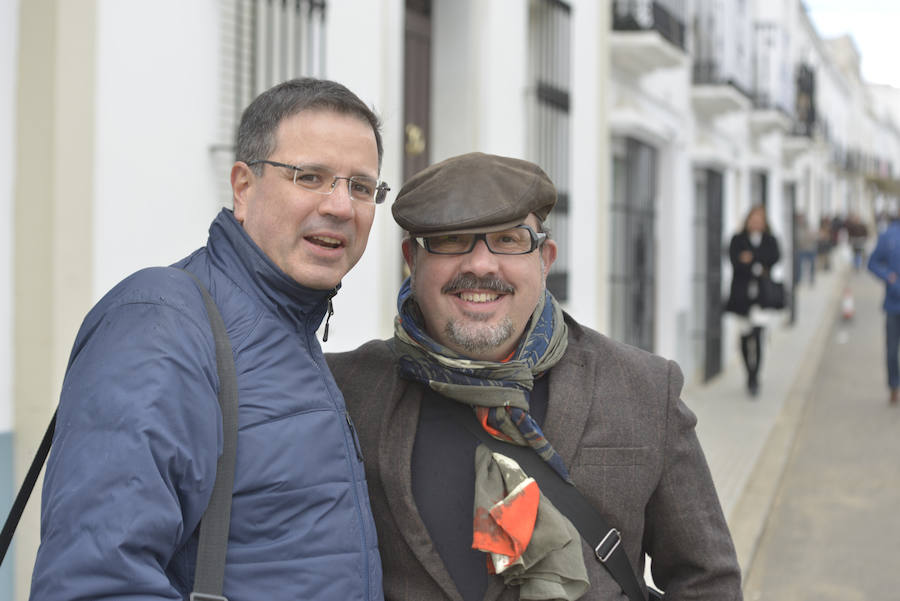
(874, 26)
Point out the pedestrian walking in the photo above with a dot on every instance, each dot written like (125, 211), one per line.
(825, 244)
(857, 236)
(807, 249)
(884, 262)
(753, 252)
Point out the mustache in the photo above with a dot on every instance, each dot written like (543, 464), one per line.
(465, 281)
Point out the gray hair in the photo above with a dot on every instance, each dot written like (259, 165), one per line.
(260, 121)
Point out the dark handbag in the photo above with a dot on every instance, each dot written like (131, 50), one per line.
(209, 575)
(772, 294)
(600, 536)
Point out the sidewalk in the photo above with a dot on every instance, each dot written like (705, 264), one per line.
(747, 441)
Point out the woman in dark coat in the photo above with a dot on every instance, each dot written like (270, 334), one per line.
(753, 252)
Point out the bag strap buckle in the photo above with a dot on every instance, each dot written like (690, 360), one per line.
(207, 597)
(608, 545)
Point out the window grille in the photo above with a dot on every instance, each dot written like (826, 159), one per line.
(632, 279)
(548, 119)
(263, 42)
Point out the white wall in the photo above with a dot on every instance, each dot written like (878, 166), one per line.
(156, 92)
(479, 79)
(591, 186)
(8, 59)
(365, 306)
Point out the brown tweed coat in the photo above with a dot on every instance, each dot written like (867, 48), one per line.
(616, 419)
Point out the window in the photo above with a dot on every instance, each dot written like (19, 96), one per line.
(632, 287)
(263, 42)
(548, 119)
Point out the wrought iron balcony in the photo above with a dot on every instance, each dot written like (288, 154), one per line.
(666, 17)
(648, 34)
(768, 116)
(711, 72)
(715, 93)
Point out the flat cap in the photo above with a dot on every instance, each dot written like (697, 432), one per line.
(473, 192)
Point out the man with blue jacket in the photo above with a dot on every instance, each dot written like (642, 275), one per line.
(139, 427)
(884, 262)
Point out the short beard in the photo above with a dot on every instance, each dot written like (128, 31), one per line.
(475, 337)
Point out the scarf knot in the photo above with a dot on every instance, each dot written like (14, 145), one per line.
(499, 392)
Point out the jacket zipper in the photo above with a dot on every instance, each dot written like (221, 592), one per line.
(328, 317)
(359, 454)
(359, 505)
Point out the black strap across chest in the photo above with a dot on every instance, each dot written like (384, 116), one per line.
(603, 538)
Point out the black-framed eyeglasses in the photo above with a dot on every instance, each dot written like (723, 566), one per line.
(519, 240)
(322, 180)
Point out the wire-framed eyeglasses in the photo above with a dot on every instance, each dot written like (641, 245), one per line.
(519, 240)
(322, 180)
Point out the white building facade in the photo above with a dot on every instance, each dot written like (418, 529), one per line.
(661, 124)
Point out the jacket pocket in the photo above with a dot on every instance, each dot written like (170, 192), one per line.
(618, 479)
(613, 456)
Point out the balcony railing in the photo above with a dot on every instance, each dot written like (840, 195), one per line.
(711, 72)
(763, 101)
(665, 17)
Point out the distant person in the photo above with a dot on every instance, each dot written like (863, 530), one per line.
(825, 243)
(857, 236)
(753, 252)
(807, 249)
(139, 428)
(884, 262)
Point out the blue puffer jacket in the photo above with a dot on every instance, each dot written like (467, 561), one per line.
(139, 431)
(885, 260)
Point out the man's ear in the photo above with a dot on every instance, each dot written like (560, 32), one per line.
(548, 254)
(409, 252)
(242, 179)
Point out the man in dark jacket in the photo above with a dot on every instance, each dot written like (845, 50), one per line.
(139, 428)
(479, 339)
(884, 262)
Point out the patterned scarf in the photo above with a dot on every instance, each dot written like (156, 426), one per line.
(498, 392)
(527, 540)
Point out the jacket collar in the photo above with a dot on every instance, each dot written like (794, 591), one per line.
(239, 257)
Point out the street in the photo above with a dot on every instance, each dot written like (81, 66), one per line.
(834, 529)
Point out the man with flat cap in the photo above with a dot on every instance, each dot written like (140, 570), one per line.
(478, 337)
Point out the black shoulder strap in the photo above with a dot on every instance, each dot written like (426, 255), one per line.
(15, 513)
(604, 539)
(210, 570)
(209, 577)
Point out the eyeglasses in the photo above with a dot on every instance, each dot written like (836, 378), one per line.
(519, 240)
(322, 180)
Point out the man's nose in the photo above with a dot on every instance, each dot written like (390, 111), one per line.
(481, 260)
(338, 203)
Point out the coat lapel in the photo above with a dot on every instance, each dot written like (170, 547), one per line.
(571, 397)
(397, 437)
